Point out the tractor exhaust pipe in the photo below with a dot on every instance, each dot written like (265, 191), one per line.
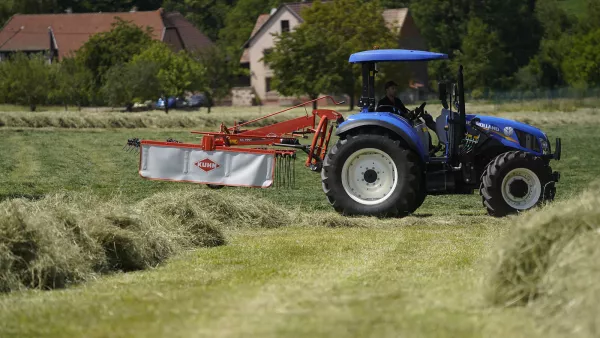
(461, 106)
(459, 127)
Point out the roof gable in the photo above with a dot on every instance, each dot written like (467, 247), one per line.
(191, 37)
(394, 18)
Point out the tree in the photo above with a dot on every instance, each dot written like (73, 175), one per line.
(482, 56)
(347, 33)
(580, 65)
(72, 83)
(126, 83)
(26, 80)
(313, 58)
(517, 29)
(445, 24)
(109, 6)
(6, 11)
(239, 23)
(117, 46)
(591, 20)
(220, 71)
(177, 72)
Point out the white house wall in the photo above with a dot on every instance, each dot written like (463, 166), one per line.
(264, 40)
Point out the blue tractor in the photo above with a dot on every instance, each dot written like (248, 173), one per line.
(383, 165)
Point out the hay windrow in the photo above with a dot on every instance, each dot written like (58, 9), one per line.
(36, 249)
(525, 256)
(226, 209)
(335, 220)
(571, 290)
(68, 238)
(153, 119)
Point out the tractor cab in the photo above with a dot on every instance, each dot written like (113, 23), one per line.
(369, 61)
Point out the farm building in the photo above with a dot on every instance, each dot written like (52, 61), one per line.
(285, 18)
(58, 35)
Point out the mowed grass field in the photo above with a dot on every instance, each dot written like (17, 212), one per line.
(419, 276)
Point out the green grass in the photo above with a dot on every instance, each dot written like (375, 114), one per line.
(387, 281)
(35, 162)
(418, 277)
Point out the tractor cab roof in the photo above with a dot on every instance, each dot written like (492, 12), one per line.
(395, 55)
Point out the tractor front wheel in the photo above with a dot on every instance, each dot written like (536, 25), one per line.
(372, 175)
(514, 182)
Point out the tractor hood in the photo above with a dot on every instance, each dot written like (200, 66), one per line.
(506, 126)
(513, 134)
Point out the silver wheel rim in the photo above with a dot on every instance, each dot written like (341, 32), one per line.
(534, 189)
(369, 176)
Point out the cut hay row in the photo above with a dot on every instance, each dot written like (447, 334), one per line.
(175, 119)
(68, 238)
(550, 261)
(111, 120)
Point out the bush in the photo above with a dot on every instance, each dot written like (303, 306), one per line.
(25, 80)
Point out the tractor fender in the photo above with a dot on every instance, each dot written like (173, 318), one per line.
(388, 121)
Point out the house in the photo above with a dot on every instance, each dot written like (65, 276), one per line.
(286, 17)
(58, 35)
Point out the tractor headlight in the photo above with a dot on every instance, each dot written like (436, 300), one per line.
(545, 146)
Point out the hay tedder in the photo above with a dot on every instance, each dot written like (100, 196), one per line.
(384, 163)
(237, 156)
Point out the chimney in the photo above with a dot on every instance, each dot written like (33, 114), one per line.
(69, 10)
(273, 10)
(133, 9)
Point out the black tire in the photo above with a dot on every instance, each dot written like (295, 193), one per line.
(421, 195)
(404, 199)
(215, 186)
(492, 178)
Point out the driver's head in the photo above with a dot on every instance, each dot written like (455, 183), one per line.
(390, 88)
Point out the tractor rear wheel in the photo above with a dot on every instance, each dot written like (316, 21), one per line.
(514, 182)
(372, 175)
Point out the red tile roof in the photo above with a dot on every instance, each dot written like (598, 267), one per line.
(71, 31)
(260, 22)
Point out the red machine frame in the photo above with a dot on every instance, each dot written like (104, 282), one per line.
(282, 134)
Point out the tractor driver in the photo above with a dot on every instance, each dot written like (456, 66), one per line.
(390, 99)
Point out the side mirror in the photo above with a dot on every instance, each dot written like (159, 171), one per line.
(443, 94)
(442, 91)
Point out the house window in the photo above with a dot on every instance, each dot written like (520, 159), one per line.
(285, 26)
(268, 84)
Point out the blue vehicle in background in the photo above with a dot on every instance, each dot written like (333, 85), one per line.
(195, 101)
(383, 165)
(171, 103)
